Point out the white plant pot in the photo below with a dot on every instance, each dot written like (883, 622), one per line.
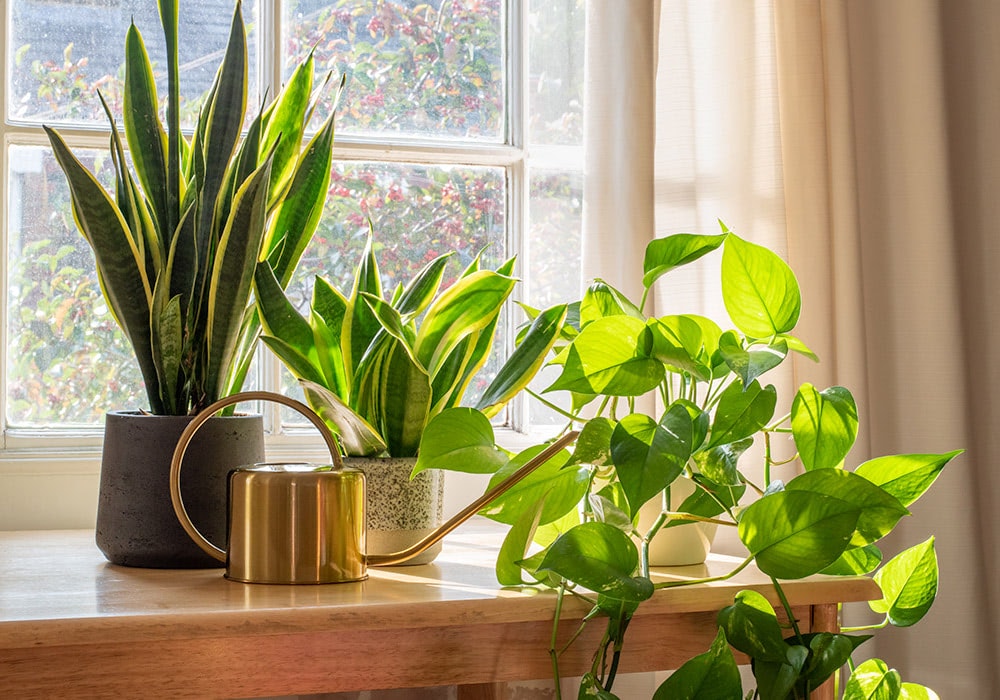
(681, 545)
(400, 512)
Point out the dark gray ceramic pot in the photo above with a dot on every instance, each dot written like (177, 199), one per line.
(136, 524)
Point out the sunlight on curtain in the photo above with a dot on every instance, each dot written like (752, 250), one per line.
(718, 156)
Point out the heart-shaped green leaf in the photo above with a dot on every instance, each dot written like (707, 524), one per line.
(873, 680)
(610, 356)
(775, 681)
(461, 440)
(824, 425)
(677, 342)
(720, 464)
(827, 653)
(906, 477)
(649, 455)
(752, 627)
(909, 583)
(741, 413)
(601, 300)
(605, 510)
(880, 511)
(856, 562)
(601, 558)
(665, 254)
(914, 691)
(759, 289)
(562, 488)
(750, 363)
(794, 534)
(708, 500)
(515, 546)
(593, 444)
(713, 675)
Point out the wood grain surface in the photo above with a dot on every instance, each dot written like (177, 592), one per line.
(72, 625)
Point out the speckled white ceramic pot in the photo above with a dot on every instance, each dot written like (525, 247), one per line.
(400, 511)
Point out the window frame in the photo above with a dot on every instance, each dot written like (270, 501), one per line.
(48, 448)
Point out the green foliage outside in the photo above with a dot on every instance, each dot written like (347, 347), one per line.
(420, 210)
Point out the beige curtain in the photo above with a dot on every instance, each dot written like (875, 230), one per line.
(889, 113)
(860, 139)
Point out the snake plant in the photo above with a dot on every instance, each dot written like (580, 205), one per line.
(177, 242)
(378, 369)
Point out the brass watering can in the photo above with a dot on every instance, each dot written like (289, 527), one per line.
(305, 523)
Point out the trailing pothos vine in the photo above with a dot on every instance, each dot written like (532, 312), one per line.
(574, 523)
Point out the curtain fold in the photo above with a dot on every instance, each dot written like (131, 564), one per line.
(859, 139)
(881, 159)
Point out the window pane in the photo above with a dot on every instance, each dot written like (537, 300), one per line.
(418, 69)
(556, 207)
(555, 71)
(63, 51)
(417, 212)
(67, 362)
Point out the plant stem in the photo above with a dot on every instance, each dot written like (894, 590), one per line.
(755, 487)
(552, 406)
(774, 427)
(767, 458)
(648, 537)
(698, 518)
(691, 582)
(865, 628)
(788, 610)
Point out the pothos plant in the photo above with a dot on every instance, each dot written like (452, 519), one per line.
(574, 522)
(177, 243)
(377, 365)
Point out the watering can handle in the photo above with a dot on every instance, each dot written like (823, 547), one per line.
(201, 419)
(474, 507)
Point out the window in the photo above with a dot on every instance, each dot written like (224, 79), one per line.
(460, 129)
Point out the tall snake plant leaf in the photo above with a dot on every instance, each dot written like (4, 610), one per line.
(285, 125)
(131, 205)
(279, 317)
(449, 379)
(124, 278)
(226, 110)
(390, 384)
(298, 214)
(169, 13)
(403, 419)
(147, 140)
(232, 274)
(169, 346)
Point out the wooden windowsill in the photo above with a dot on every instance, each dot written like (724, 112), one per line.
(70, 623)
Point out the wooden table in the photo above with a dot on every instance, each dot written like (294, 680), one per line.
(72, 625)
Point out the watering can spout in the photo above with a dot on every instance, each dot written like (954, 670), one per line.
(306, 523)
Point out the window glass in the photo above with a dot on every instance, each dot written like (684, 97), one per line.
(63, 51)
(62, 342)
(415, 68)
(555, 78)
